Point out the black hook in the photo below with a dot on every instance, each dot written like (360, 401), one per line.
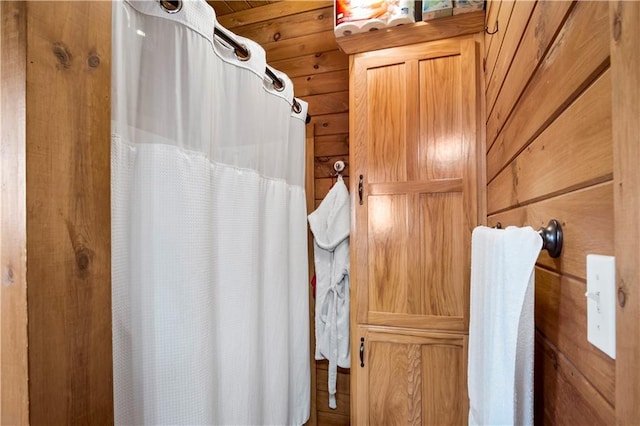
(486, 29)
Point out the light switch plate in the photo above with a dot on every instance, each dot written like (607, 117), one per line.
(601, 306)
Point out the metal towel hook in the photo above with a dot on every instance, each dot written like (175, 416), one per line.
(495, 30)
(551, 237)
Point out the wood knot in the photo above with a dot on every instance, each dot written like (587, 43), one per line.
(83, 259)
(616, 28)
(62, 54)
(93, 61)
(622, 297)
(8, 276)
(276, 36)
(316, 66)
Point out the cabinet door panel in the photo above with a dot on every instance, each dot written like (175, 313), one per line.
(416, 154)
(415, 378)
(441, 221)
(388, 268)
(441, 110)
(387, 123)
(445, 402)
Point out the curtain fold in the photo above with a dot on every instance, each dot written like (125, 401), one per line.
(209, 266)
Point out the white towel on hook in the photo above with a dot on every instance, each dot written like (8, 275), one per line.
(330, 224)
(501, 327)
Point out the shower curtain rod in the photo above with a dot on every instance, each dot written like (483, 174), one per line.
(243, 54)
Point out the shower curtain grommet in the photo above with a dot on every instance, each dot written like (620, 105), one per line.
(241, 55)
(280, 86)
(171, 6)
(297, 108)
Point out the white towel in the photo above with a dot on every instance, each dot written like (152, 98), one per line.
(501, 328)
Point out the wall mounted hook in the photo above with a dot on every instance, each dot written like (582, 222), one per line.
(495, 30)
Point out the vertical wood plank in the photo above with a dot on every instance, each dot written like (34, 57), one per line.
(625, 69)
(68, 212)
(14, 396)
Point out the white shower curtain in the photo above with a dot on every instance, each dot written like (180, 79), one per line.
(210, 294)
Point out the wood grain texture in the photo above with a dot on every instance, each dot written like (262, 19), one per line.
(387, 123)
(493, 50)
(441, 249)
(578, 55)
(14, 371)
(404, 35)
(68, 212)
(388, 237)
(563, 394)
(444, 390)
(587, 222)
(294, 47)
(332, 145)
(411, 377)
(336, 81)
(546, 20)
(312, 63)
(328, 103)
(389, 372)
(582, 133)
(270, 11)
(332, 419)
(440, 118)
(512, 36)
(625, 74)
(288, 27)
(561, 317)
(490, 22)
(331, 124)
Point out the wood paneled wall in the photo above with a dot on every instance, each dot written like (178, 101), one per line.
(298, 38)
(56, 361)
(549, 155)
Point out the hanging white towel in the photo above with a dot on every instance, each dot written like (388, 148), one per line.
(501, 328)
(330, 226)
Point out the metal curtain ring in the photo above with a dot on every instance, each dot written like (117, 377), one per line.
(242, 56)
(171, 6)
(296, 107)
(278, 85)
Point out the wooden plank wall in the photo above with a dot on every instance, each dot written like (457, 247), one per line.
(298, 38)
(625, 75)
(56, 246)
(549, 155)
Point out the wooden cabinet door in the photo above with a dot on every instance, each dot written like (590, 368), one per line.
(414, 127)
(410, 378)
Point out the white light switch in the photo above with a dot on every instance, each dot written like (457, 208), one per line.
(601, 305)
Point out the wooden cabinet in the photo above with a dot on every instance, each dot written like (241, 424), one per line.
(411, 378)
(414, 120)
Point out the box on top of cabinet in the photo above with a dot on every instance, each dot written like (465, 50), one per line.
(466, 6)
(432, 9)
